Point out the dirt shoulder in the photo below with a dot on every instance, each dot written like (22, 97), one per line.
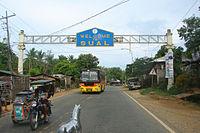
(181, 116)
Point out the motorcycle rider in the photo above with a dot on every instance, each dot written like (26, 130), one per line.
(42, 94)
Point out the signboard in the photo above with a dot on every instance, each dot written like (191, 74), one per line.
(153, 72)
(169, 72)
(94, 38)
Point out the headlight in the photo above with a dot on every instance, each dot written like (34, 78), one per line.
(33, 104)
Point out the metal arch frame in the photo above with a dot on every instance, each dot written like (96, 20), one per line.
(71, 39)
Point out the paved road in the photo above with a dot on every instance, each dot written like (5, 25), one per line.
(109, 112)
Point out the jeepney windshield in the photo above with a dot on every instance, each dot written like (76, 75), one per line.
(89, 76)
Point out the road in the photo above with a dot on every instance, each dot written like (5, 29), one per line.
(109, 112)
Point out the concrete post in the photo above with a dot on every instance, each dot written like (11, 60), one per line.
(21, 48)
(170, 47)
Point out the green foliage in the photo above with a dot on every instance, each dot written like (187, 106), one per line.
(178, 52)
(87, 61)
(71, 67)
(161, 52)
(34, 71)
(162, 85)
(114, 73)
(4, 58)
(140, 67)
(187, 81)
(161, 92)
(146, 91)
(146, 82)
(190, 32)
(175, 91)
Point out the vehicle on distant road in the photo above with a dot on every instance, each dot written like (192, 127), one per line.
(134, 83)
(92, 80)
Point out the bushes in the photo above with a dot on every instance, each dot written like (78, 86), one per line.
(146, 82)
(162, 85)
(182, 82)
(187, 81)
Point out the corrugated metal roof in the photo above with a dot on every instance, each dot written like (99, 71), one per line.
(9, 73)
(161, 59)
(2, 82)
(6, 72)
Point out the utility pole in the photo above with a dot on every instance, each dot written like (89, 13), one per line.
(169, 60)
(9, 49)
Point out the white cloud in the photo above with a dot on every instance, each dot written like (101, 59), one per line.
(133, 17)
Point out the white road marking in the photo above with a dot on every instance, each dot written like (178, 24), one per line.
(156, 118)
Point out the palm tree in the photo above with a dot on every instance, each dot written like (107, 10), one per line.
(31, 57)
(40, 60)
(50, 62)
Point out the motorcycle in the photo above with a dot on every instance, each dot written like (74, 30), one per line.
(21, 107)
(37, 114)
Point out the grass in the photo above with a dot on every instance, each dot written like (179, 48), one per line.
(154, 91)
(146, 91)
(161, 92)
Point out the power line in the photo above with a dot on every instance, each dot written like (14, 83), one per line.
(63, 29)
(19, 18)
(185, 15)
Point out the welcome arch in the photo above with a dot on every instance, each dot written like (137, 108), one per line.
(72, 39)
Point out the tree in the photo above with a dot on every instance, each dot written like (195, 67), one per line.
(40, 60)
(31, 57)
(34, 71)
(114, 73)
(87, 61)
(50, 62)
(140, 67)
(4, 58)
(62, 57)
(65, 68)
(161, 52)
(190, 32)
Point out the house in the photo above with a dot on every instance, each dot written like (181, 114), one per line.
(160, 66)
(66, 81)
(20, 82)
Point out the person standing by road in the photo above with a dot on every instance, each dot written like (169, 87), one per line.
(3, 102)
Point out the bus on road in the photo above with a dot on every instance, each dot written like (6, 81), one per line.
(92, 80)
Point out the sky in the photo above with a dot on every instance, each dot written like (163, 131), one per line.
(135, 17)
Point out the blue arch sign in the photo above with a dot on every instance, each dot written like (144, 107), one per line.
(94, 38)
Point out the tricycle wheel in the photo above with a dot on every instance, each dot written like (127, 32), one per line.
(14, 121)
(33, 121)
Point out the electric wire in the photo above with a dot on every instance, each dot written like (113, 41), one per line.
(81, 22)
(185, 15)
(19, 18)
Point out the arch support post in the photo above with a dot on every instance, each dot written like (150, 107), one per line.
(169, 61)
(21, 48)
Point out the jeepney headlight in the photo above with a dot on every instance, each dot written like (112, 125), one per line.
(33, 103)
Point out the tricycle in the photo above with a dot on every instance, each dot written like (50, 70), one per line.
(40, 105)
(21, 106)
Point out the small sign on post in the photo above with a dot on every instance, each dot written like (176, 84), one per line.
(152, 73)
(94, 38)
